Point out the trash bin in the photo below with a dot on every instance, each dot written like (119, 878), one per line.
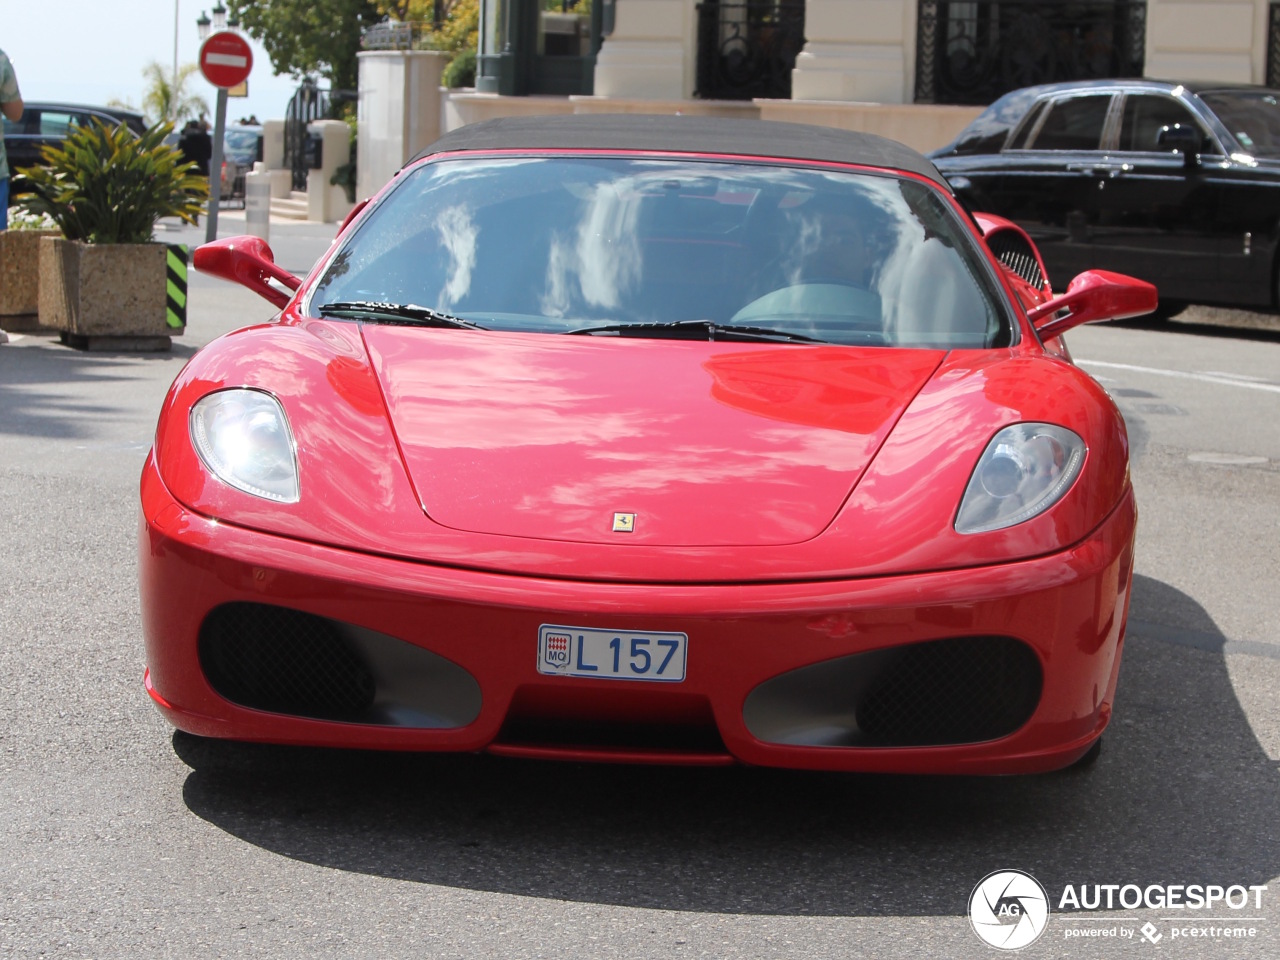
(257, 201)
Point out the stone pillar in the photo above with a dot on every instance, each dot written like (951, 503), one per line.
(273, 158)
(398, 112)
(651, 53)
(327, 202)
(1215, 40)
(861, 54)
(273, 144)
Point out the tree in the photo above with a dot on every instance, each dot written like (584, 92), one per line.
(404, 10)
(460, 29)
(450, 16)
(305, 37)
(166, 97)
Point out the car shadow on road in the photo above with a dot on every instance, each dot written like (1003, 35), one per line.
(1182, 793)
(49, 390)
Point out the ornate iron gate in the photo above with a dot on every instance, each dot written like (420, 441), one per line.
(973, 51)
(747, 48)
(308, 103)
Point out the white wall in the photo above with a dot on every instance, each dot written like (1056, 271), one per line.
(1207, 40)
(650, 54)
(856, 51)
(398, 112)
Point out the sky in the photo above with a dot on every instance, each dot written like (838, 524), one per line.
(89, 51)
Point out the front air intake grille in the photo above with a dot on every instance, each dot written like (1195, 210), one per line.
(665, 720)
(963, 690)
(1012, 249)
(936, 693)
(284, 661)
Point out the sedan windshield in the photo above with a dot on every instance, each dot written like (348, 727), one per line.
(242, 145)
(1252, 117)
(616, 246)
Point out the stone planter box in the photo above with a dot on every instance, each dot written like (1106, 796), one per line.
(19, 277)
(102, 296)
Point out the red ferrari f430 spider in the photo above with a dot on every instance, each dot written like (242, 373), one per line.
(649, 439)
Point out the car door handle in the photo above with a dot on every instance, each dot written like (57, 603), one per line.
(1109, 170)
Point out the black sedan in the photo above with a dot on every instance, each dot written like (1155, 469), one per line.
(43, 124)
(1178, 184)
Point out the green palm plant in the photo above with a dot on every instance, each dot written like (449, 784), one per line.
(108, 185)
(166, 96)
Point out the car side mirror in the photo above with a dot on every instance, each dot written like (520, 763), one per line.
(1093, 296)
(247, 261)
(1184, 138)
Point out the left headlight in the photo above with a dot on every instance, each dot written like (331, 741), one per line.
(1025, 470)
(243, 438)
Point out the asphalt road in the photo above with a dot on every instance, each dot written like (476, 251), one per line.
(120, 839)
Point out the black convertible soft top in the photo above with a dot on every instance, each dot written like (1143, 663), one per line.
(685, 134)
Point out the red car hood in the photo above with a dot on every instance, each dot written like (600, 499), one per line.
(707, 444)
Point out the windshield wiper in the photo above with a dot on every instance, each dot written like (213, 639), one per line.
(696, 330)
(409, 314)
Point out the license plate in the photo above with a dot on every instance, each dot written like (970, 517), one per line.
(611, 654)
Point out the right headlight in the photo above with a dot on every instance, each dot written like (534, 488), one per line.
(1025, 470)
(243, 439)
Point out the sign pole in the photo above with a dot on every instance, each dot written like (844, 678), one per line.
(215, 167)
(225, 61)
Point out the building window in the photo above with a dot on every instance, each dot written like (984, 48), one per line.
(748, 48)
(975, 51)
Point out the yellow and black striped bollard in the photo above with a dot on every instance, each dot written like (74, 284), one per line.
(176, 286)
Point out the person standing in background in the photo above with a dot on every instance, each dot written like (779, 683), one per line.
(196, 145)
(202, 145)
(11, 107)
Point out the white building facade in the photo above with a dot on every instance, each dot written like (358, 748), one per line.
(868, 50)
(913, 70)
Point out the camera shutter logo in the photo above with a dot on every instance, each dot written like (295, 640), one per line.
(1009, 909)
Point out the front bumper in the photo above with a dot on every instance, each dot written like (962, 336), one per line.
(1068, 608)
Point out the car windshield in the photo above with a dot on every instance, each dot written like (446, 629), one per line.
(599, 244)
(241, 144)
(1252, 117)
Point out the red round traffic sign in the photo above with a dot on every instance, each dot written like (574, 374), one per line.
(225, 59)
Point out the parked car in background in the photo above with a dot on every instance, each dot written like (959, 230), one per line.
(241, 148)
(1178, 184)
(44, 124)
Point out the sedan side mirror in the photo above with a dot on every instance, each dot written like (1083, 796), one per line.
(1093, 296)
(1184, 138)
(247, 261)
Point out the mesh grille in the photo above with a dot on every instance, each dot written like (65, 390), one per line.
(667, 720)
(959, 690)
(703, 738)
(284, 661)
(1012, 249)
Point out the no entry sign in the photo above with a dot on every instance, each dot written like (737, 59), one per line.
(225, 59)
